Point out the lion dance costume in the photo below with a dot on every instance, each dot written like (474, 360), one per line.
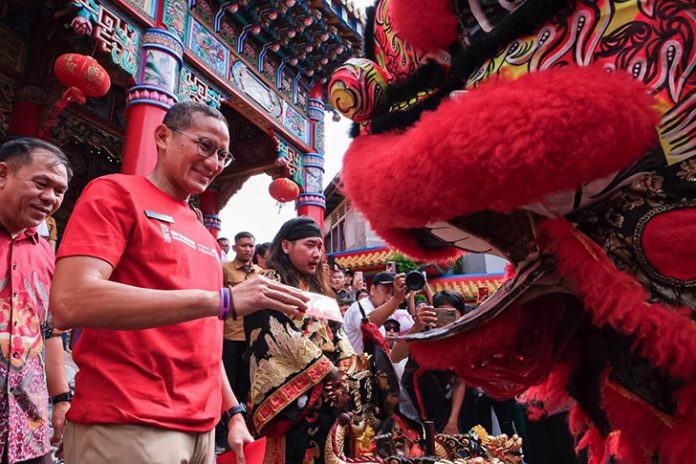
(560, 135)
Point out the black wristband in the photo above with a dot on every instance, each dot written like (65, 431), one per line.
(233, 411)
(63, 397)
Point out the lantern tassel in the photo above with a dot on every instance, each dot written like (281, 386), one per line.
(71, 94)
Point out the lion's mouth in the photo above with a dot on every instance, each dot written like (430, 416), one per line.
(508, 235)
(535, 278)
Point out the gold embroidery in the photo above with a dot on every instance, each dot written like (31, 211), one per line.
(275, 450)
(646, 190)
(687, 170)
(345, 349)
(282, 397)
(640, 252)
(318, 332)
(288, 351)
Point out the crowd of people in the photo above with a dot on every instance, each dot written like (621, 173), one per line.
(181, 334)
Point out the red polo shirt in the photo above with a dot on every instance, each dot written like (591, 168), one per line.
(167, 376)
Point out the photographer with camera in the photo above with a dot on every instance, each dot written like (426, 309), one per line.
(386, 295)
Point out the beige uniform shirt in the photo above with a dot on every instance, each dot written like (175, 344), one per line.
(234, 273)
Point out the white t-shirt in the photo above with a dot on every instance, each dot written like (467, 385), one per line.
(42, 229)
(352, 318)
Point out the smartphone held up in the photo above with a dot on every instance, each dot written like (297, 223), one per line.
(446, 315)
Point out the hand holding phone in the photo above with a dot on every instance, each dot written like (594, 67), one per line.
(426, 316)
(358, 282)
(446, 315)
(482, 294)
(391, 267)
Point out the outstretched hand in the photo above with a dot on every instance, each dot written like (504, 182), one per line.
(261, 293)
(238, 436)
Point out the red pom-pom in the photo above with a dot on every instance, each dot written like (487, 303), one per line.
(428, 25)
(501, 146)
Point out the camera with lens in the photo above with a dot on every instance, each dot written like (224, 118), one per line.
(415, 280)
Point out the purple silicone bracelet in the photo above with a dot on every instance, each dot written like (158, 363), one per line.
(225, 299)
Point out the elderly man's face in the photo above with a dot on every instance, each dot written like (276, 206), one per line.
(32, 192)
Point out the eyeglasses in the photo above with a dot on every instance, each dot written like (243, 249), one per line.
(208, 148)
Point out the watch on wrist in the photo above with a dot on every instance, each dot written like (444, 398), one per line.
(233, 411)
(63, 397)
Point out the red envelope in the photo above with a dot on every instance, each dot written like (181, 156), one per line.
(323, 307)
(254, 453)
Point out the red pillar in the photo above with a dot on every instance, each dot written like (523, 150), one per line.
(208, 202)
(140, 151)
(313, 211)
(26, 112)
(149, 100)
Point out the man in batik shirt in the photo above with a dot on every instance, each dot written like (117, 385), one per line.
(33, 179)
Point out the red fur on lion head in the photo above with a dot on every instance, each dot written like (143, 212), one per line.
(429, 25)
(500, 146)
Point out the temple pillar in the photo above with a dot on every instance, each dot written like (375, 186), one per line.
(25, 120)
(311, 201)
(150, 98)
(208, 202)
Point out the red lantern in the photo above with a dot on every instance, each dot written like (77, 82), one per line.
(83, 76)
(284, 190)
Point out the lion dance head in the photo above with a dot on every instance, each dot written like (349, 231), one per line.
(560, 135)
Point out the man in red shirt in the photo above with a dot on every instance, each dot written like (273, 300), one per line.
(142, 275)
(33, 178)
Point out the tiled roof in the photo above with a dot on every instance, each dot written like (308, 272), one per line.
(468, 285)
(374, 259)
(363, 260)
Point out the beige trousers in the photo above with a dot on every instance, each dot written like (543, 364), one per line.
(135, 444)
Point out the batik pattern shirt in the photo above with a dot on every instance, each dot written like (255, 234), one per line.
(26, 270)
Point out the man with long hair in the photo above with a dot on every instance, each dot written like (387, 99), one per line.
(261, 253)
(293, 389)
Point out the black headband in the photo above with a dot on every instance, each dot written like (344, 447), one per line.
(299, 228)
